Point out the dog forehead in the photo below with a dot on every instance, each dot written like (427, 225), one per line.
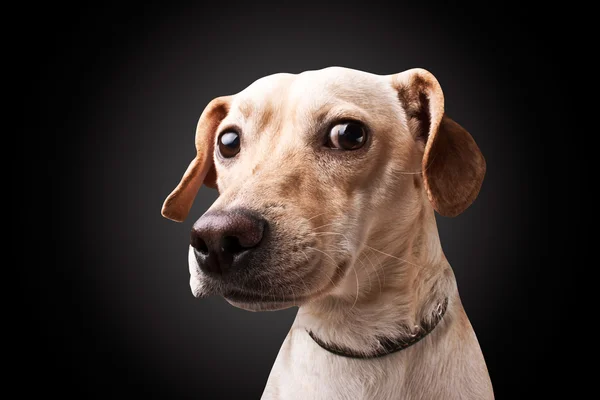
(267, 89)
(337, 81)
(314, 89)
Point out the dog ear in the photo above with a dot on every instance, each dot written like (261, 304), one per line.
(201, 170)
(453, 166)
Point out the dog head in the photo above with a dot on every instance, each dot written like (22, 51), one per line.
(306, 166)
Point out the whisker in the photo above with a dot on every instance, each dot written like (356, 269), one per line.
(355, 274)
(334, 263)
(306, 291)
(367, 246)
(376, 273)
(389, 255)
(353, 267)
(430, 162)
(379, 264)
(335, 223)
(322, 226)
(363, 267)
(321, 251)
(315, 216)
(371, 249)
(337, 250)
(332, 233)
(357, 287)
(304, 255)
(417, 172)
(297, 274)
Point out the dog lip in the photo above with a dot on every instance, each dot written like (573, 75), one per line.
(253, 298)
(238, 296)
(261, 306)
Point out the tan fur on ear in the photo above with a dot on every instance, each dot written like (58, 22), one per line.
(453, 166)
(201, 170)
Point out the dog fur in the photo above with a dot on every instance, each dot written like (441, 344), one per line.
(353, 239)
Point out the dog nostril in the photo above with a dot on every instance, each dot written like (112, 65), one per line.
(202, 247)
(232, 245)
(199, 244)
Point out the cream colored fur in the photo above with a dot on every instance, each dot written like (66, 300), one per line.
(357, 243)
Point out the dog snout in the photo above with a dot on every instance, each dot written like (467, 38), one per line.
(223, 239)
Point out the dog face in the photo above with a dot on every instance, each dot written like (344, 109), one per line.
(308, 166)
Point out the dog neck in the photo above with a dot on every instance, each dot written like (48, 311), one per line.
(393, 290)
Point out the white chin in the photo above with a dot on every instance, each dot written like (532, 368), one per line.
(269, 306)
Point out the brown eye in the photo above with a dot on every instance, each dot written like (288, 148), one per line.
(229, 144)
(347, 136)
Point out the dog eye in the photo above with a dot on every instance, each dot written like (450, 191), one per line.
(347, 136)
(229, 144)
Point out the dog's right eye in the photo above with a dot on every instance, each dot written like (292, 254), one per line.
(347, 136)
(229, 144)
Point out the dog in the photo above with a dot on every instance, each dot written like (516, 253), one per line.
(328, 182)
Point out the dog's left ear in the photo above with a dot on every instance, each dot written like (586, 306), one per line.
(201, 170)
(453, 166)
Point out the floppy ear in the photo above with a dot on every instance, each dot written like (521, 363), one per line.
(201, 169)
(453, 166)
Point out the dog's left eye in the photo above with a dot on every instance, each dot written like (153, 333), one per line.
(229, 144)
(347, 136)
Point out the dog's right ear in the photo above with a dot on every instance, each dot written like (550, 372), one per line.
(201, 170)
(453, 166)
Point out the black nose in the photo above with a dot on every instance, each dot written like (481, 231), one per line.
(221, 239)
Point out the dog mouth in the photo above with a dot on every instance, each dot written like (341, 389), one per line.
(278, 301)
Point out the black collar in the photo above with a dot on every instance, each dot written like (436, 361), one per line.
(388, 346)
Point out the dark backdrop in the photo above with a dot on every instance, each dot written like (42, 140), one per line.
(120, 90)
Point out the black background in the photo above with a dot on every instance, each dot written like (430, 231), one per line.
(120, 89)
